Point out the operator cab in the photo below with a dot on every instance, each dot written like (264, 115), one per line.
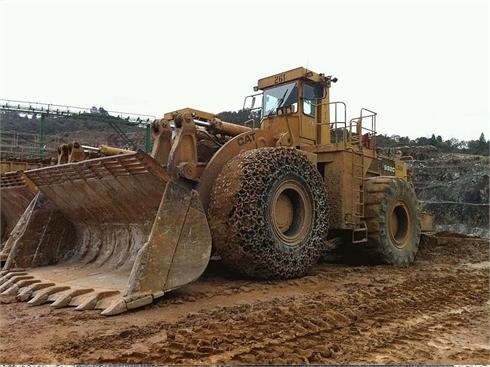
(282, 92)
(296, 108)
(284, 98)
(295, 103)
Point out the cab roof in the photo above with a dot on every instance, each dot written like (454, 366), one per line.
(290, 75)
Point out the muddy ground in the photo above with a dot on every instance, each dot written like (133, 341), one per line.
(434, 312)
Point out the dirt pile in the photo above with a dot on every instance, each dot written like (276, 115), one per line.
(453, 187)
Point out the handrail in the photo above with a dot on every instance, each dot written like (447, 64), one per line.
(365, 136)
(335, 113)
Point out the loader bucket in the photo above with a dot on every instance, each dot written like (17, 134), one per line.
(15, 197)
(112, 233)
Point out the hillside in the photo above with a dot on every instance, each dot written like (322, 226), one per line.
(453, 187)
(452, 183)
(20, 134)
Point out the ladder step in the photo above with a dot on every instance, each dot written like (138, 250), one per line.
(360, 235)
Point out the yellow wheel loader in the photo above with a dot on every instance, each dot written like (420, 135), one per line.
(115, 233)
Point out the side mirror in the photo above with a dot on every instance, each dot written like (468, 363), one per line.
(249, 102)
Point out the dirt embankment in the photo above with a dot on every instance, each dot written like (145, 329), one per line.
(434, 312)
(453, 187)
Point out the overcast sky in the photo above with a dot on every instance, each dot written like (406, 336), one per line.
(422, 65)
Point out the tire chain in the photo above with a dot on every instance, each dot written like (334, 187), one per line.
(235, 214)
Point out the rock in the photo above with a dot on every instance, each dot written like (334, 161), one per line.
(454, 188)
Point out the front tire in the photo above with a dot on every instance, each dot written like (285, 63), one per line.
(392, 219)
(268, 213)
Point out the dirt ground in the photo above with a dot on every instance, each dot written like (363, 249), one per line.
(435, 312)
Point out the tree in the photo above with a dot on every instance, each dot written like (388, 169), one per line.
(240, 117)
(433, 140)
(424, 141)
(480, 146)
(405, 140)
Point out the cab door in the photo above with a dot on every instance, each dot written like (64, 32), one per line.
(311, 97)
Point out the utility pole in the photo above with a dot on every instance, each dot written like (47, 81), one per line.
(148, 139)
(42, 139)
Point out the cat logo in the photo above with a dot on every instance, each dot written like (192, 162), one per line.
(245, 139)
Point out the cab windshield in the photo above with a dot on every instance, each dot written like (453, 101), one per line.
(280, 96)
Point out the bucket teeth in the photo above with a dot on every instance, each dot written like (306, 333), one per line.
(65, 299)
(117, 307)
(11, 271)
(43, 295)
(6, 277)
(28, 288)
(14, 290)
(88, 304)
(9, 283)
(91, 302)
(27, 292)
(111, 233)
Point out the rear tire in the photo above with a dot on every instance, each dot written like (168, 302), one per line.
(393, 220)
(268, 213)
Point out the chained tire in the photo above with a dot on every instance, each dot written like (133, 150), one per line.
(392, 219)
(269, 214)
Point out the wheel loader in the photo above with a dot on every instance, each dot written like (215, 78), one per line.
(117, 232)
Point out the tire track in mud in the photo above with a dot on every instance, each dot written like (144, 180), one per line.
(336, 314)
(338, 346)
(415, 338)
(360, 323)
(435, 253)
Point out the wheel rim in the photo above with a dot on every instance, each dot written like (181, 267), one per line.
(291, 212)
(399, 224)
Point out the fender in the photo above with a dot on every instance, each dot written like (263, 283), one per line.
(246, 141)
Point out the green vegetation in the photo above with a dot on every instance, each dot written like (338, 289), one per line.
(240, 117)
(62, 126)
(480, 146)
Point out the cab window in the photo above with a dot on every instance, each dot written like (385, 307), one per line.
(278, 97)
(311, 97)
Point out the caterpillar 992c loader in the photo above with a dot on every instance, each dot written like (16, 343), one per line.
(115, 233)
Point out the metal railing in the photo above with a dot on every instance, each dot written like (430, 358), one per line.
(338, 121)
(359, 133)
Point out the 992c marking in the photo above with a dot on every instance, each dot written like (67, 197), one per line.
(387, 168)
